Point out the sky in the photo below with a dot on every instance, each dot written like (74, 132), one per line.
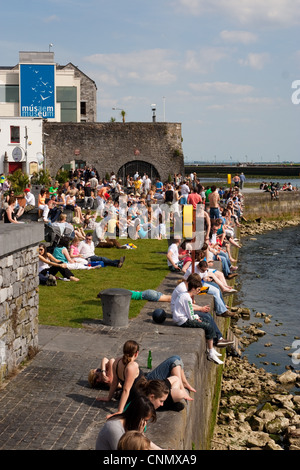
(227, 70)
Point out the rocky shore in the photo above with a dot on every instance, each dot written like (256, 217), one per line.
(260, 226)
(257, 411)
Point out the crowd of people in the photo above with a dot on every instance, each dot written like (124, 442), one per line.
(101, 211)
(275, 188)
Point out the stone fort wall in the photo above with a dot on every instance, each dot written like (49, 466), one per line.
(109, 146)
(19, 296)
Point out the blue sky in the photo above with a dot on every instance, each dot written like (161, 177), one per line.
(222, 68)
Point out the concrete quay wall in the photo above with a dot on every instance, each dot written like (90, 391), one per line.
(192, 428)
(259, 204)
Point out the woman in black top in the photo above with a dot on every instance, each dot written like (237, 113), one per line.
(9, 214)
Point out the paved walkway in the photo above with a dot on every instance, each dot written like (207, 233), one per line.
(49, 405)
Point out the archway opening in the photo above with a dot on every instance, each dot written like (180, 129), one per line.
(140, 167)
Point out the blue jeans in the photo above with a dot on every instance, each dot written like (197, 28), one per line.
(183, 199)
(214, 213)
(205, 325)
(226, 263)
(209, 318)
(151, 295)
(163, 370)
(214, 290)
(106, 261)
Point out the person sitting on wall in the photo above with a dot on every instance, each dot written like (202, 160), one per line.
(175, 263)
(30, 200)
(46, 217)
(184, 315)
(9, 215)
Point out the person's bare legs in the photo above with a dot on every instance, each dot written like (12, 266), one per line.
(179, 372)
(177, 392)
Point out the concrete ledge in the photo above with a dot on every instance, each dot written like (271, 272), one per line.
(17, 236)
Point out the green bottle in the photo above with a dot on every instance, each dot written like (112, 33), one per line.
(149, 360)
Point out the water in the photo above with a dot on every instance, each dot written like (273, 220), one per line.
(294, 181)
(268, 281)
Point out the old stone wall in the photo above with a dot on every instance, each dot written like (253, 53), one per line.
(19, 298)
(88, 93)
(109, 146)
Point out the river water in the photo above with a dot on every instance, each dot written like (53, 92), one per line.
(268, 281)
(294, 181)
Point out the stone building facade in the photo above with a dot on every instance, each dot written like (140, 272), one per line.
(88, 93)
(109, 147)
(19, 296)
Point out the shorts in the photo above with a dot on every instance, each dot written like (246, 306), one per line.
(151, 295)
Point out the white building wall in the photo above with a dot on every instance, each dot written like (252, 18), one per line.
(30, 147)
(62, 78)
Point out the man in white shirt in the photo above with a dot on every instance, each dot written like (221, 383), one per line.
(87, 249)
(46, 212)
(173, 257)
(146, 184)
(184, 191)
(30, 200)
(173, 260)
(203, 312)
(184, 316)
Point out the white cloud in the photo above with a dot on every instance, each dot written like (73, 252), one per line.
(224, 88)
(255, 61)
(203, 61)
(151, 66)
(51, 19)
(257, 100)
(241, 37)
(271, 12)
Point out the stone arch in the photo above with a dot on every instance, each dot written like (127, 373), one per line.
(130, 168)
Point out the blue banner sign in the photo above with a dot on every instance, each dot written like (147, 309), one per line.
(37, 90)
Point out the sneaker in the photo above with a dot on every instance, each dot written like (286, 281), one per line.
(122, 259)
(211, 356)
(229, 292)
(232, 275)
(63, 279)
(228, 314)
(215, 352)
(223, 343)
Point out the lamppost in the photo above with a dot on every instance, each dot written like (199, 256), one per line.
(153, 107)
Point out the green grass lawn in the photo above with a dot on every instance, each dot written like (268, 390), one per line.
(70, 304)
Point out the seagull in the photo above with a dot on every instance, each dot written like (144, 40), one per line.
(44, 98)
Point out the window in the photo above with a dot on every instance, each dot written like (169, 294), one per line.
(9, 93)
(67, 97)
(83, 108)
(14, 135)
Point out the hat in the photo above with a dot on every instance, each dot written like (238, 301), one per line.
(26, 190)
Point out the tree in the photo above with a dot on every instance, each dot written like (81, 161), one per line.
(62, 176)
(19, 181)
(41, 178)
(123, 114)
